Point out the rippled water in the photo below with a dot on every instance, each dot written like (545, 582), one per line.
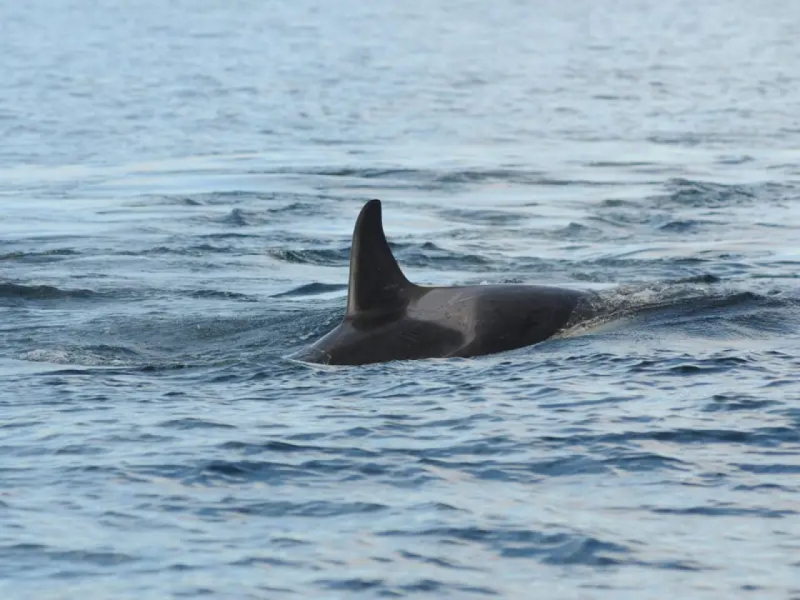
(179, 183)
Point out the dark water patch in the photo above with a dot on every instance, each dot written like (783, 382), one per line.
(679, 565)
(312, 509)
(690, 366)
(686, 226)
(439, 179)
(382, 589)
(46, 553)
(220, 295)
(190, 423)
(445, 588)
(230, 235)
(575, 231)
(474, 176)
(690, 140)
(322, 257)
(431, 255)
(101, 356)
(275, 203)
(271, 446)
(271, 473)
(620, 203)
(166, 367)
(435, 561)
(506, 470)
(725, 511)
(311, 289)
(555, 548)
(739, 159)
(358, 172)
(704, 278)
(736, 402)
(612, 164)
(568, 466)
(491, 218)
(189, 250)
(485, 446)
(181, 200)
(687, 193)
(578, 233)
(40, 257)
(763, 436)
(239, 218)
(80, 450)
(432, 176)
(770, 487)
(265, 561)
(14, 291)
(216, 198)
(644, 461)
(251, 448)
(775, 468)
(352, 585)
(622, 223)
(300, 209)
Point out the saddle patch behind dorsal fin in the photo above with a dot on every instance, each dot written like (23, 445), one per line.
(376, 282)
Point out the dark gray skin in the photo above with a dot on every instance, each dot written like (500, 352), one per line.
(389, 318)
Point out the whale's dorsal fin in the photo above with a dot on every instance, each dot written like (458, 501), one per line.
(376, 282)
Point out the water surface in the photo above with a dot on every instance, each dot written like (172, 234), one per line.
(179, 183)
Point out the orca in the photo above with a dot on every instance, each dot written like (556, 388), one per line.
(389, 318)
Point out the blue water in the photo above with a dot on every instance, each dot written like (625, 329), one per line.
(179, 182)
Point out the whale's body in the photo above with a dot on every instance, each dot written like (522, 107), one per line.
(389, 318)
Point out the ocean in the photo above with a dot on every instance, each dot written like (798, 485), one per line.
(178, 187)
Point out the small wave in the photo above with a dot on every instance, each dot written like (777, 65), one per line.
(381, 588)
(431, 255)
(195, 250)
(96, 355)
(193, 423)
(432, 179)
(724, 511)
(365, 173)
(238, 218)
(298, 202)
(554, 548)
(685, 225)
(694, 293)
(484, 217)
(202, 199)
(229, 235)
(298, 209)
(311, 289)
(685, 192)
(766, 437)
(222, 295)
(42, 292)
(318, 508)
(46, 256)
(336, 257)
(44, 553)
